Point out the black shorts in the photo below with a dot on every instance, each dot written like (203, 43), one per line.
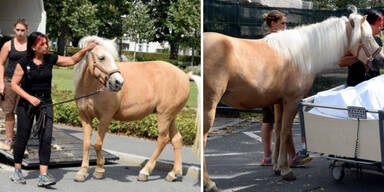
(268, 114)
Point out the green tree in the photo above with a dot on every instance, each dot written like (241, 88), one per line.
(159, 12)
(110, 13)
(323, 4)
(70, 20)
(376, 3)
(138, 25)
(344, 3)
(184, 22)
(173, 21)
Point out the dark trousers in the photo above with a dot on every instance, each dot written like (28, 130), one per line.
(268, 114)
(25, 117)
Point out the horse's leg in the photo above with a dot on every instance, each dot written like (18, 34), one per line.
(209, 117)
(99, 172)
(289, 111)
(291, 151)
(87, 131)
(277, 129)
(177, 142)
(163, 122)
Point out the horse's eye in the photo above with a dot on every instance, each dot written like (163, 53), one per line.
(101, 58)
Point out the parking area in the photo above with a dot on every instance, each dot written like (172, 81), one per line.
(234, 152)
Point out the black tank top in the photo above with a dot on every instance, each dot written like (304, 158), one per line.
(13, 57)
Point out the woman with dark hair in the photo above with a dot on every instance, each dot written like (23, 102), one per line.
(32, 82)
(13, 50)
(357, 71)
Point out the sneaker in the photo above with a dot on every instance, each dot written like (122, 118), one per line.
(46, 180)
(299, 160)
(6, 145)
(17, 177)
(266, 161)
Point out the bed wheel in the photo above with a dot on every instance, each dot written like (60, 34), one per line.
(338, 173)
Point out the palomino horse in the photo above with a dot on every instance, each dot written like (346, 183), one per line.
(278, 69)
(148, 87)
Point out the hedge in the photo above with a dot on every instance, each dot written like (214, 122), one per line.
(68, 114)
(183, 60)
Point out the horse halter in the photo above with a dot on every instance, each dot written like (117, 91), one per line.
(104, 71)
(369, 56)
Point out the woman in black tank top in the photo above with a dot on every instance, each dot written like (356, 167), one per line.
(13, 50)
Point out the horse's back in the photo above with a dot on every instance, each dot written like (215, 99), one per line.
(153, 86)
(239, 70)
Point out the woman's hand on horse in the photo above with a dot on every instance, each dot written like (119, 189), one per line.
(347, 60)
(34, 101)
(90, 46)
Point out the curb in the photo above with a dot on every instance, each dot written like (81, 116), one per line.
(188, 170)
(6, 167)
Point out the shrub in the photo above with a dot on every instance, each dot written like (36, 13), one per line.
(72, 50)
(195, 70)
(183, 60)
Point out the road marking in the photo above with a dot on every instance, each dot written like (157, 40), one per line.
(253, 135)
(240, 188)
(230, 176)
(224, 154)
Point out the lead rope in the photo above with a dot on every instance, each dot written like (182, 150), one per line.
(39, 126)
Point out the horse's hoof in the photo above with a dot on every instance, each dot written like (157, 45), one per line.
(79, 178)
(142, 177)
(289, 177)
(172, 177)
(98, 175)
(277, 172)
(211, 188)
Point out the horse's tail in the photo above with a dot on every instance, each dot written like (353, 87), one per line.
(196, 145)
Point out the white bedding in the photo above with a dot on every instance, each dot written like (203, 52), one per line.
(368, 94)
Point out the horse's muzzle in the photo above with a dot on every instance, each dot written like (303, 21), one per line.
(115, 82)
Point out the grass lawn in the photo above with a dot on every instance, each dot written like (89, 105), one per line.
(381, 71)
(62, 78)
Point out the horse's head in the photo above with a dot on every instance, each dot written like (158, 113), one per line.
(103, 67)
(362, 43)
(101, 62)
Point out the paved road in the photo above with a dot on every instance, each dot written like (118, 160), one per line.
(120, 175)
(233, 155)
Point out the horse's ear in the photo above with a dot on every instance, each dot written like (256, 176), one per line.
(114, 39)
(364, 19)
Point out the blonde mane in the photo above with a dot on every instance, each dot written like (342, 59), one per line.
(319, 46)
(109, 45)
